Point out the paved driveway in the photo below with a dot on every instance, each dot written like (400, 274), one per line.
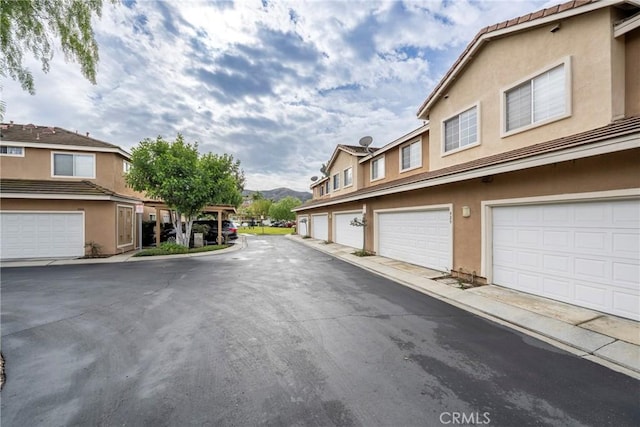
(276, 334)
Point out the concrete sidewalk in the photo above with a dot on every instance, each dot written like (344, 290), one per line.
(608, 340)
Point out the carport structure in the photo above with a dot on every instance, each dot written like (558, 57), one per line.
(222, 212)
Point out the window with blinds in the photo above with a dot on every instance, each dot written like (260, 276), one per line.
(411, 156)
(537, 100)
(461, 130)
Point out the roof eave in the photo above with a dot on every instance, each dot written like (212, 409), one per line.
(484, 36)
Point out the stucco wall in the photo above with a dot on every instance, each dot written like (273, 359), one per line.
(632, 73)
(503, 62)
(343, 161)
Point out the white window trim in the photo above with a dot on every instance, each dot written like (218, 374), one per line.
(13, 155)
(126, 166)
(444, 153)
(333, 182)
(382, 176)
(419, 165)
(53, 153)
(133, 221)
(566, 61)
(344, 184)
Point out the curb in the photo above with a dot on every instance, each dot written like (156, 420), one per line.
(122, 258)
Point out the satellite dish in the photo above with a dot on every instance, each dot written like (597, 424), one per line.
(366, 141)
(314, 178)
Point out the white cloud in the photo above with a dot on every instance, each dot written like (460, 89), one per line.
(276, 85)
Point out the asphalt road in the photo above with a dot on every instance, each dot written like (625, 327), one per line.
(276, 334)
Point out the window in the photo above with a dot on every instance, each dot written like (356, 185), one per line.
(126, 166)
(461, 130)
(411, 156)
(8, 150)
(326, 187)
(377, 168)
(336, 181)
(348, 177)
(152, 217)
(322, 190)
(79, 165)
(537, 100)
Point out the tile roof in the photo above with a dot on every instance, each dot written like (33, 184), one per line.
(42, 187)
(48, 135)
(619, 128)
(543, 13)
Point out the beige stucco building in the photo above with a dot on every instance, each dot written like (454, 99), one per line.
(525, 173)
(62, 192)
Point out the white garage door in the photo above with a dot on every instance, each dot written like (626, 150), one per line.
(302, 226)
(419, 237)
(347, 234)
(585, 254)
(41, 235)
(320, 227)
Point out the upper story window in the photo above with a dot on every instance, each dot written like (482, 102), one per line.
(461, 130)
(9, 150)
(126, 166)
(411, 156)
(322, 190)
(538, 100)
(326, 187)
(336, 181)
(76, 165)
(348, 177)
(377, 168)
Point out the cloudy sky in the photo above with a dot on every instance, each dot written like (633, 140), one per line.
(277, 84)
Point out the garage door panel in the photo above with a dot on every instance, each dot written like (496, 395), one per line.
(302, 226)
(626, 274)
(626, 243)
(626, 303)
(418, 237)
(591, 295)
(320, 227)
(345, 233)
(558, 288)
(588, 251)
(42, 235)
(625, 215)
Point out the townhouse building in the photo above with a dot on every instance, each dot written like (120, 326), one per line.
(525, 173)
(60, 190)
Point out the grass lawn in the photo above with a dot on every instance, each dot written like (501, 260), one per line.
(175, 249)
(259, 230)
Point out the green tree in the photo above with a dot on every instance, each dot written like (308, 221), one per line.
(260, 208)
(281, 210)
(185, 180)
(31, 26)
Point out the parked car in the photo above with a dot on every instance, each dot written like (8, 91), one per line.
(229, 231)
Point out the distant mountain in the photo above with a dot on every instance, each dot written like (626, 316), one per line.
(280, 193)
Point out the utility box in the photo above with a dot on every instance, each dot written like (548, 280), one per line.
(198, 240)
